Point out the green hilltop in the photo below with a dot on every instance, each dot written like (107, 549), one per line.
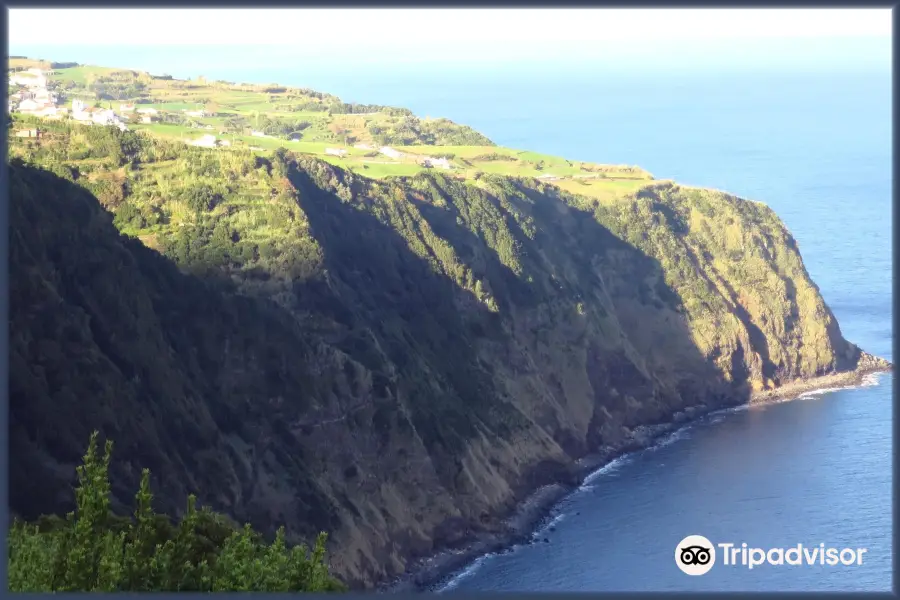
(309, 122)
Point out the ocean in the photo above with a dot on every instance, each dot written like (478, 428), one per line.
(813, 144)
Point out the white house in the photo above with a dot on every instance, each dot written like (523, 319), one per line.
(336, 152)
(43, 95)
(49, 112)
(224, 143)
(82, 113)
(362, 146)
(104, 117)
(148, 111)
(28, 133)
(28, 105)
(258, 134)
(195, 113)
(126, 108)
(439, 163)
(147, 119)
(388, 151)
(207, 141)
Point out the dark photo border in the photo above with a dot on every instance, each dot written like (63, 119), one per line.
(4, 249)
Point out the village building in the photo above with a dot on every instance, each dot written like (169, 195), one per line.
(44, 96)
(438, 163)
(126, 108)
(28, 133)
(207, 141)
(258, 134)
(390, 152)
(79, 113)
(28, 105)
(148, 111)
(195, 113)
(48, 112)
(336, 152)
(103, 116)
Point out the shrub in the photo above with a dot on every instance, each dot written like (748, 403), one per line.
(94, 550)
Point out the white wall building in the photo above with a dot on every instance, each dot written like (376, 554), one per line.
(388, 151)
(207, 141)
(438, 163)
(28, 105)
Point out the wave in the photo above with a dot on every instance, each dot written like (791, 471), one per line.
(610, 467)
(465, 573)
(543, 529)
(868, 380)
(871, 380)
(675, 436)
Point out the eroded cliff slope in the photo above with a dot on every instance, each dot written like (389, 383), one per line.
(426, 352)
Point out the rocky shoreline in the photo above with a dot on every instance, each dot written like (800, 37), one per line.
(520, 526)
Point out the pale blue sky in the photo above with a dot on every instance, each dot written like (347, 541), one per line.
(661, 37)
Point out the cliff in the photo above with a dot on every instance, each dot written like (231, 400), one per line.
(397, 362)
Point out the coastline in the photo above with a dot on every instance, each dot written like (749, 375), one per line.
(525, 521)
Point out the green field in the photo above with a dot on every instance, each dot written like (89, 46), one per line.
(80, 75)
(323, 122)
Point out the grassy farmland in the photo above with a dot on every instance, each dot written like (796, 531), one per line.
(263, 118)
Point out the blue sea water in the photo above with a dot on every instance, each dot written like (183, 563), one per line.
(815, 145)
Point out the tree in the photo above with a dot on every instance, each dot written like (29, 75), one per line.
(94, 550)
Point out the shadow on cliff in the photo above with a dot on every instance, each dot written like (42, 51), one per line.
(390, 302)
(108, 335)
(411, 305)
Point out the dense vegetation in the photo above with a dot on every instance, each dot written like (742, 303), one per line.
(93, 549)
(410, 131)
(394, 361)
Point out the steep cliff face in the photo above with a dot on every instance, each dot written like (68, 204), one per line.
(450, 347)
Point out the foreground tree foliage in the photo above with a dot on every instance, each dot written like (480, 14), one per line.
(94, 550)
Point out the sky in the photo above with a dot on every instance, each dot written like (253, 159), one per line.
(448, 35)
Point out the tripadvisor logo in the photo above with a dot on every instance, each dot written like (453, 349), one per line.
(696, 555)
